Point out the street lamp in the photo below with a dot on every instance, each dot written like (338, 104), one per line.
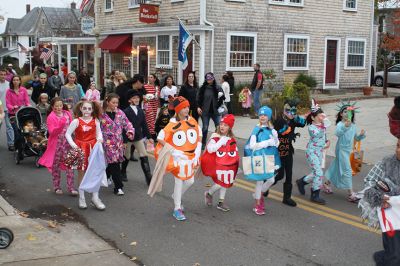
(97, 56)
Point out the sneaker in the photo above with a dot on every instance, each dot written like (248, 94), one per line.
(258, 210)
(11, 148)
(98, 204)
(74, 193)
(178, 214)
(82, 204)
(208, 199)
(221, 206)
(109, 181)
(353, 198)
(327, 189)
(59, 191)
(120, 192)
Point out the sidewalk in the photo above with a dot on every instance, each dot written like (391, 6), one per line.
(372, 117)
(41, 242)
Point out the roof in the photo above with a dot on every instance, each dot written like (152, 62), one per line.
(59, 18)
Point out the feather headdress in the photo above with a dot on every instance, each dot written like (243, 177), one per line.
(314, 106)
(347, 105)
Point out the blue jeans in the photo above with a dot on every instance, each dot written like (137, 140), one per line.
(205, 119)
(256, 99)
(9, 130)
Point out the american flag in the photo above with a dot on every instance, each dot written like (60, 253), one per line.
(22, 48)
(83, 5)
(46, 54)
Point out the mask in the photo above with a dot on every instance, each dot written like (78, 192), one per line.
(290, 110)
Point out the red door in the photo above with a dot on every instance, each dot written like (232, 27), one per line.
(331, 51)
(143, 62)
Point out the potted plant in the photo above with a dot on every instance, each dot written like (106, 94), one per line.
(367, 91)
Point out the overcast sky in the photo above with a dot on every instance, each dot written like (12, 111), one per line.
(16, 8)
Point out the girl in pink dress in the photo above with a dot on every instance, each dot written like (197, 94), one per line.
(87, 131)
(57, 123)
(245, 99)
(92, 94)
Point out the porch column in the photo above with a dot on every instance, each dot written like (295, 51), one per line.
(202, 56)
(69, 57)
(59, 51)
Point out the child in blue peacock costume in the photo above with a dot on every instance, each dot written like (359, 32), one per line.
(318, 123)
(339, 172)
(263, 142)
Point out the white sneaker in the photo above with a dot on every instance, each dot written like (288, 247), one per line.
(109, 181)
(98, 204)
(82, 203)
(120, 192)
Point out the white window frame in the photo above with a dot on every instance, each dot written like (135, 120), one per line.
(228, 49)
(108, 9)
(32, 39)
(295, 36)
(130, 5)
(347, 52)
(170, 52)
(345, 8)
(237, 1)
(285, 3)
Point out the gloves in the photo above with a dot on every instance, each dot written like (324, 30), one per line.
(74, 146)
(178, 155)
(197, 154)
(149, 96)
(222, 141)
(267, 143)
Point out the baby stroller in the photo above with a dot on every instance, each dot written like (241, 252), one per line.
(6, 237)
(24, 148)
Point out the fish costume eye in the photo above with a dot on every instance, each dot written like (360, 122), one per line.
(179, 138)
(192, 136)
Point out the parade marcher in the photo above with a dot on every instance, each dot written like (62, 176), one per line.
(339, 172)
(135, 83)
(43, 106)
(11, 69)
(151, 103)
(209, 99)
(87, 131)
(181, 139)
(58, 121)
(92, 94)
(71, 92)
(113, 121)
(256, 88)
(16, 97)
(136, 116)
(394, 118)
(220, 161)
(380, 206)
(285, 125)
(167, 94)
(4, 85)
(84, 79)
(42, 87)
(245, 100)
(55, 82)
(111, 84)
(162, 119)
(263, 142)
(314, 153)
(189, 91)
(227, 91)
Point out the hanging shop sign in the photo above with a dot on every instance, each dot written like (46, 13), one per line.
(148, 13)
(87, 25)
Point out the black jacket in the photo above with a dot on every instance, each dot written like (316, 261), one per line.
(138, 122)
(209, 105)
(84, 80)
(190, 93)
(39, 89)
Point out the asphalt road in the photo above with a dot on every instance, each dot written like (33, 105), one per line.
(306, 235)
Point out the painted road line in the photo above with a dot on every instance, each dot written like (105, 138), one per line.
(315, 211)
(308, 203)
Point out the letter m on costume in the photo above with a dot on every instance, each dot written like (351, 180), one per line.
(184, 40)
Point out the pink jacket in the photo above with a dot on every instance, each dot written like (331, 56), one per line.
(12, 99)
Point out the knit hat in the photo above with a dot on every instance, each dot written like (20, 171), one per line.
(265, 110)
(132, 93)
(228, 119)
(209, 76)
(179, 103)
(43, 75)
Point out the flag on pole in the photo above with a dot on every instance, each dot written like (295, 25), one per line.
(22, 49)
(84, 3)
(185, 37)
(46, 54)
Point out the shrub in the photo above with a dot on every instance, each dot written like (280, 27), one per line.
(302, 92)
(307, 80)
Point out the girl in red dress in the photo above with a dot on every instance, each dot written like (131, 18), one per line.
(87, 131)
(151, 103)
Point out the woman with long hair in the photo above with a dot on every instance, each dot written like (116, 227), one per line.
(189, 91)
(71, 92)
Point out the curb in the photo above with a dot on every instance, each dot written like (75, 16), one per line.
(6, 208)
(351, 98)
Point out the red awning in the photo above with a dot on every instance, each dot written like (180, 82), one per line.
(117, 43)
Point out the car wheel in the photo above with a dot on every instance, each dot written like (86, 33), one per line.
(379, 81)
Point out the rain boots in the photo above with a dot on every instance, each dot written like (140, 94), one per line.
(315, 197)
(301, 184)
(144, 162)
(287, 194)
(124, 165)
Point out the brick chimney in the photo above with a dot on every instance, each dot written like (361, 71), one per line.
(73, 5)
(28, 8)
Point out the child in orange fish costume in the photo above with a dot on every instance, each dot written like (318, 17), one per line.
(184, 135)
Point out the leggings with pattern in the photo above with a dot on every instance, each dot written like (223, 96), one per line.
(314, 160)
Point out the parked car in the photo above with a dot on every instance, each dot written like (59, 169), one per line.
(393, 76)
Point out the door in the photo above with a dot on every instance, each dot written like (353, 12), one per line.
(143, 62)
(189, 68)
(331, 54)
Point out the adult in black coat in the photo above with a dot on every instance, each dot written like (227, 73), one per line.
(42, 87)
(84, 79)
(189, 90)
(135, 83)
(136, 116)
(209, 98)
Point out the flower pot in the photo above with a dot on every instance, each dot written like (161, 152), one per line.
(367, 91)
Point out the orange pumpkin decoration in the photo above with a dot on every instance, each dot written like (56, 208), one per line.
(183, 136)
